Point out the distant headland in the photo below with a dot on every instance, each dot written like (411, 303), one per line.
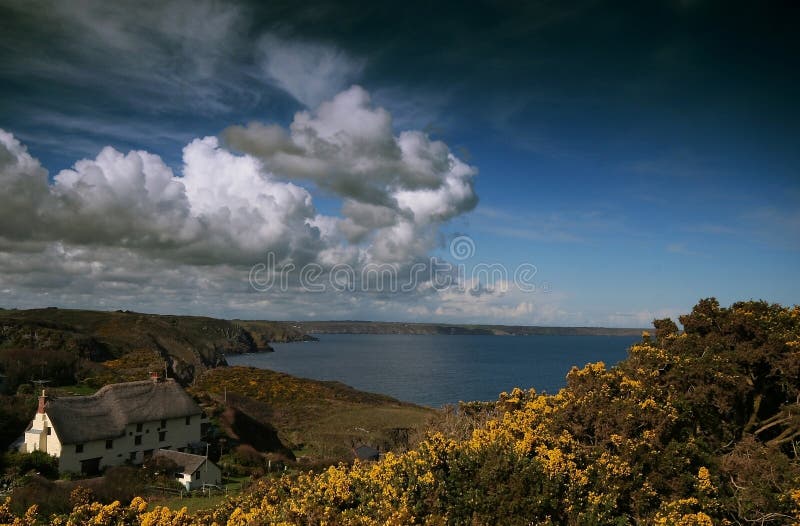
(382, 327)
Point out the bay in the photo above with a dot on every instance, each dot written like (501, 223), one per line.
(434, 370)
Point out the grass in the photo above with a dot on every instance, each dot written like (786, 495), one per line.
(345, 426)
(197, 501)
(80, 390)
(314, 418)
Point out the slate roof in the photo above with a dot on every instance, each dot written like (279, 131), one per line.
(187, 462)
(366, 453)
(105, 414)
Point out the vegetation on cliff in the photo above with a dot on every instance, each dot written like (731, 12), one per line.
(321, 420)
(697, 427)
(97, 348)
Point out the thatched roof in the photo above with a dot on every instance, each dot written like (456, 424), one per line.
(186, 462)
(105, 414)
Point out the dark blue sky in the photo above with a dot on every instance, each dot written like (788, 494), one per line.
(641, 154)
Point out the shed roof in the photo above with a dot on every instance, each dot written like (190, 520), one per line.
(110, 410)
(187, 462)
(366, 453)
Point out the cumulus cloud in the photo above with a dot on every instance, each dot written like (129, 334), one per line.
(396, 188)
(223, 209)
(396, 191)
(244, 206)
(23, 187)
(120, 224)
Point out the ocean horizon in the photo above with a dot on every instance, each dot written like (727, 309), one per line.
(435, 370)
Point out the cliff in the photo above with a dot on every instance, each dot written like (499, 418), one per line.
(113, 346)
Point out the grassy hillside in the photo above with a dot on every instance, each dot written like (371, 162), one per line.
(312, 418)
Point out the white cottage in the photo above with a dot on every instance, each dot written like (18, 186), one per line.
(193, 471)
(120, 423)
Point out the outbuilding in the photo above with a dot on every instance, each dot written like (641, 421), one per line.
(193, 471)
(366, 453)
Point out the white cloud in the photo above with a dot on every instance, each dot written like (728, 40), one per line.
(310, 72)
(223, 209)
(23, 187)
(244, 206)
(129, 199)
(114, 229)
(155, 56)
(397, 189)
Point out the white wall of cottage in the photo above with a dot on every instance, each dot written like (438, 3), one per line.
(177, 435)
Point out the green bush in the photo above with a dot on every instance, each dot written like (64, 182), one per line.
(38, 462)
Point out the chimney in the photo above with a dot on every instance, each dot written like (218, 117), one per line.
(42, 402)
(155, 377)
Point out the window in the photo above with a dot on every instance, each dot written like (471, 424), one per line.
(137, 440)
(109, 444)
(132, 456)
(162, 436)
(78, 448)
(163, 424)
(138, 428)
(49, 430)
(188, 420)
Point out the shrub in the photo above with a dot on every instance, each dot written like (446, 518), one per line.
(38, 461)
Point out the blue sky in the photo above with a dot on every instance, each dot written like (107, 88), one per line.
(640, 155)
